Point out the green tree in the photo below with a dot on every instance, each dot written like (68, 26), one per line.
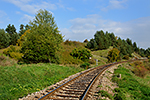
(113, 55)
(147, 52)
(11, 30)
(92, 45)
(4, 39)
(22, 30)
(43, 42)
(99, 38)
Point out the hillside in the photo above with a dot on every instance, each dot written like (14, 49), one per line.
(126, 82)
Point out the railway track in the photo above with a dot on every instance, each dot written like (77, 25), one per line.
(78, 87)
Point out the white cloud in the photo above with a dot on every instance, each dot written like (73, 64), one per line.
(32, 7)
(26, 18)
(3, 17)
(82, 28)
(71, 9)
(115, 4)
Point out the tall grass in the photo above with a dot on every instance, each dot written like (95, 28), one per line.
(130, 88)
(19, 80)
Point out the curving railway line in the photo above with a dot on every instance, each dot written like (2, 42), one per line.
(77, 88)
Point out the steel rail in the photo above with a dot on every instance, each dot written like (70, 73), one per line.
(69, 81)
(83, 97)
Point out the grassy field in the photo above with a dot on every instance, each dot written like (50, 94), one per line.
(101, 55)
(131, 86)
(19, 80)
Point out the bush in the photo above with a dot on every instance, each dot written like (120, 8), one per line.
(126, 57)
(85, 65)
(105, 94)
(113, 55)
(139, 68)
(13, 52)
(82, 54)
(92, 61)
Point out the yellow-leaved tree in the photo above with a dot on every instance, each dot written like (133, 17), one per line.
(22, 38)
(113, 55)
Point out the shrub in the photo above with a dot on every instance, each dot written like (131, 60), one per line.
(139, 68)
(92, 61)
(85, 65)
(140, 71)
(113, 55)
(105, 94)
(126, 57)
(6, 61)
(82, 54)
(13, 52)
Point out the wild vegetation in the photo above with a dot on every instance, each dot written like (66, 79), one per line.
(19, 80)
(132, 82)
(28, 58)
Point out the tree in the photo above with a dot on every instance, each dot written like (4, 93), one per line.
(11, 30)
(22, 38)
(99, 38)
(92, 44)
(4, 39)
(43, 42)
(113, 55)
(86, 41)
(147, 52)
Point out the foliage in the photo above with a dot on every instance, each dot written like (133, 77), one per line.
(23, 29)
(92, 45)
(130, 88)
(74, 43)
(19, 80)
(4, 39)
(85, 65)
(92, 61)
(23, 38)
(101, 41)
(105, 94)
(43, 42)
(139, 68)
(13, 52)
(126, 57)
(11, 30)
(6, 61)
(113, 55)
(85, 41)
(82, 54)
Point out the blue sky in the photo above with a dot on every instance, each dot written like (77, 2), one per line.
(80, 19)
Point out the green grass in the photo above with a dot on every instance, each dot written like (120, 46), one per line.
(18, 80)
(131, 87)
(101, 55)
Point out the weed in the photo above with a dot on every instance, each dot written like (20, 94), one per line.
(129, 86)
(18, 80)
(105, 94)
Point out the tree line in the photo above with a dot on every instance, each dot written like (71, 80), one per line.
(9, 36)
(40, 41)
(103, 40)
